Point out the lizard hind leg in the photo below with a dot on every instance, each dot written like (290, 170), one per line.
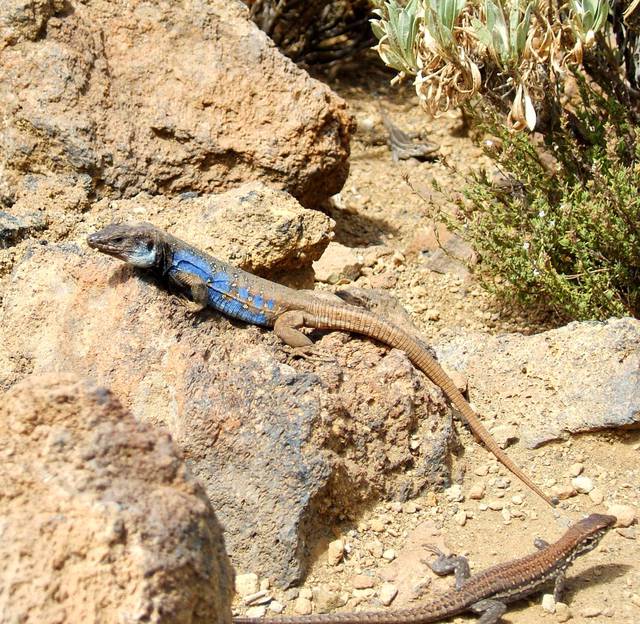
(287, 328)
(196, 287)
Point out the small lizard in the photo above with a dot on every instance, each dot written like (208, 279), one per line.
(243, 296)
(487, 592)
(403, 146)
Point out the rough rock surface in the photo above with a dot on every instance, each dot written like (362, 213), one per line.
(162, 97)
(280, 447)
(581, 377)
(101, 521)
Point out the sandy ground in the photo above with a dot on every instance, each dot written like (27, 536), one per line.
(393, 204)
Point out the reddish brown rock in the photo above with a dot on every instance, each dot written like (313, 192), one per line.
(162, 98)
(101, 521)
(281, 446)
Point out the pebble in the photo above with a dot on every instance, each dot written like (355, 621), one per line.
(517, 499)
(362, 581)
(576, 469)
(477, 491)
(430, 499)
(626, 514)
(326, 600)
(276, 607)
(388, 591)
(305, 592)
(591, 612)
(375, 548)
(481, 471)
(506, 515)
(496, 505)
(335, 552)
(261, 597)
(409, 507)
(583, 484)
(596, 496)
(461, 517)
(256, 612)
(628, 533)
(302, 606)
(376, 524)
(292, 593)
(246, 584)
(563, 492)
(548, 603)
(563, 613)
(454, 494)
(389, 554)
(265, 584)
(432, 314)
(635, 599)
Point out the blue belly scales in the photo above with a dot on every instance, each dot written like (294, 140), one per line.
(226, 292)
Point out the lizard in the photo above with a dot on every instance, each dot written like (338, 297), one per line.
(487, 592)
(246, 297)
(402, 145)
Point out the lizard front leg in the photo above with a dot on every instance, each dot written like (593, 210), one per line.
(197, 288)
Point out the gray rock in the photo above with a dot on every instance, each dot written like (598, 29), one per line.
(281, 447)
(13, 228)
(581, 377)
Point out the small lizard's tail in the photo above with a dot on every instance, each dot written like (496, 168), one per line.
(357, 320)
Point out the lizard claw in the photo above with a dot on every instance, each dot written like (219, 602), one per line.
(308, 352)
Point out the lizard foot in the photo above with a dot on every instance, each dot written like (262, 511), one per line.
(191, 306)
(308, 352)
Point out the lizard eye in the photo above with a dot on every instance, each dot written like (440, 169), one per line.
(150, 246)
(117, 240)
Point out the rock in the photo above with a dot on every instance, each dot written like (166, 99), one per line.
(563, 613)
(389, 554)
(376, 524)
(375, 548)
(504, 435)
(626, 514)
(274, 444)
(163, 98)
(477, 491)
(335, 551)
(13, 228)
(326, 600)
(548, 603)
(362, 581)
(454, 493)
(254, 227)
(576, 469)
(563, 491)
(582, 377)
(596, 496)
(460, 518)
(256, 612)
(101, 515)
(246, 584)
(302, 606)
(583, 484)
(387, 592)
(276, 607)
(453, 258)
(338, 264)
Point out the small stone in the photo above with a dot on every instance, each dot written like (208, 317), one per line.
(454, 494)
(256, 612)
(302, 606)
(548, 603)
(409, 507)
(626, 514)
(292, 593)
(481, 471)
(430, 499)
(335, 552)
(591, 612)
(477, 491)
(563, 613)
(260, 597)
(432, 314)
(627, 533)
(389, 554)
(576, 469)
(504, 435)
(563, 492)
(375, 548)
(596, 496)
(338, 264)
(388, 591)
(496, 505)
(265, 584)
(506, 515)
(305, 592)
(276, 607)
(326, 600)
(376, 524)
(635, 599)
(247, 584)
(583, 484)
(517, 499)
(362, 581)
(461, 517)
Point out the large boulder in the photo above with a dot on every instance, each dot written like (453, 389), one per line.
(281, 447)
(162, 97)
(101, 520)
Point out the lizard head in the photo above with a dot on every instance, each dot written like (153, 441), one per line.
(588, 532)
(137, 244)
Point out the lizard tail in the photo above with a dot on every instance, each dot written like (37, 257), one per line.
(350, 318)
